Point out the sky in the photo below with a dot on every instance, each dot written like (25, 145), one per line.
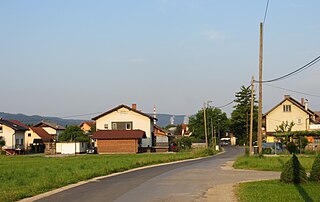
(67, 58)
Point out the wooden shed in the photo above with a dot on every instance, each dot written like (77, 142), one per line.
(118, 141)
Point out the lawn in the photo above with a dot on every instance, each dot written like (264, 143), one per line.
(274, 163)
(274, 190)
(25, 176)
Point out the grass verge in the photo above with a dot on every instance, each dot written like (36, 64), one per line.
(26, 176)
(270, 163)
(274, 190)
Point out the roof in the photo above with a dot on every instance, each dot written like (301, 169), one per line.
(123, 106)
(49, 124)
(14, 124)
(89, 123)
(45, 136)
(158, 128)
(118, 134)
(295, 102)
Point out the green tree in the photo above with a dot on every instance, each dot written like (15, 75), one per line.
(178, 130)
(285, 127)
(240, 116)
(72, 133)
(216, 120)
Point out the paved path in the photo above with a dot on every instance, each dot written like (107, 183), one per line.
(210, 179)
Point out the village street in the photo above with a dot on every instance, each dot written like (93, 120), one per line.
(209, 179)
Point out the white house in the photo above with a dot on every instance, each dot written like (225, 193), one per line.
(52, 128)
(13, 133)
(127, 119)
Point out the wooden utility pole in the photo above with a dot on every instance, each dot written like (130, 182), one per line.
(251, 115)
(205, 124)
(213, 141)
(260, 91)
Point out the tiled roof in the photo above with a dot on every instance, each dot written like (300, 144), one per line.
(123, 106)
(49, 124)
(14, 124)
(45, 136)
(89, 123)
(118, 134)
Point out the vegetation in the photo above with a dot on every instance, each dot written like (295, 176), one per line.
(270, 163)
(41, 174)
(73, 133)
(315, 171)
(216, 121)
(293, 171)
(240, 117)
(2, 143)
(274, 190)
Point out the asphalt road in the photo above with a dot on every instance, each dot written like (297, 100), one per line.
(186, 181)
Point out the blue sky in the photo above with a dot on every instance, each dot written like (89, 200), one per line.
(63, 58)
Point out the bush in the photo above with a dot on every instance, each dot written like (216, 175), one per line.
(266, 150)
(293, 172)
(183, 143)
(315, 171)
(292, 148)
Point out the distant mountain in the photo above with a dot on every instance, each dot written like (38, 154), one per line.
(31, 120)
(163, 119)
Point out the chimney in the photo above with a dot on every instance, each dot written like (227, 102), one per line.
(134, 106)
(302, 101)
(286, 96)
(306, 105)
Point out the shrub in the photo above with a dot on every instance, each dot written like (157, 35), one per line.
(293, 172)
(184, 143)
(266, 150)
(292, 148)
(315, 171)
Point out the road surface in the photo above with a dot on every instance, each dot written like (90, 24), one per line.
(186, 181)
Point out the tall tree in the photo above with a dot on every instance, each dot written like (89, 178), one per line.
(216, 119)
(73, 133)
(240, 116)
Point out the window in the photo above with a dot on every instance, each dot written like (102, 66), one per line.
(286, 108)
(121, 125)
(21, 141)
(17, 141)
(1, 130)
(106, 126)
(29, 134)
(299, 121)
(128, 126)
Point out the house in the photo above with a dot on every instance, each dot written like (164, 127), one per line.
(13, 133)
(87, 125)
(38, 140)
(289, 110)
(123, 123)
(52, 128)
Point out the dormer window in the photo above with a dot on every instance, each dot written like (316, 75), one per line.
(286, 108)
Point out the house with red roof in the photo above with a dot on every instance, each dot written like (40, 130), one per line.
(13, 133)
(87, 125)
(123, 129)
(39, 140)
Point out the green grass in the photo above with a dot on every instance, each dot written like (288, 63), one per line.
(274, 190)
(25, 176)
(270, 163)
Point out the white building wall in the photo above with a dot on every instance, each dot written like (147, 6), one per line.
(71, 147)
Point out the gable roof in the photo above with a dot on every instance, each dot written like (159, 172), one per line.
(45, 136)
(118, 134)
(89, 123)
(49, 124)
(123, 106)
(14, 124)
(295, 102)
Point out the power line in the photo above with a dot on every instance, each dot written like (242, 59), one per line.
(265, 12)
(294, 91)
(80, 115)
(299, 70)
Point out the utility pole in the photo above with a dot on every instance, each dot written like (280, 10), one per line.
(260, 91)
(213, 140)
(205, 124)
(251, 115)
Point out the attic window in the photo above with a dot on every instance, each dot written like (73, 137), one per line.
(286, 108)
(106, 126)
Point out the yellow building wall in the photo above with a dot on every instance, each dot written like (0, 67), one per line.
(277, 116)
(29, 140)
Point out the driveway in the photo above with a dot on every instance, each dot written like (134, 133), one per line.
(209, 179)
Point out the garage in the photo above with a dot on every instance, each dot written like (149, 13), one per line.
(118, 141)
